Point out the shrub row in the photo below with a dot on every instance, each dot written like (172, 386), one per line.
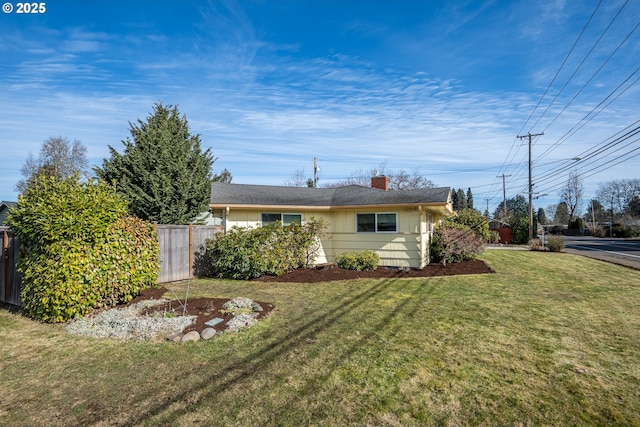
(246, 253)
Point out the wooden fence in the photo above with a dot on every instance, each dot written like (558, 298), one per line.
(11, 279)
(181, 251)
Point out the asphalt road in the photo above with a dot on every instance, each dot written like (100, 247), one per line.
(620, 251)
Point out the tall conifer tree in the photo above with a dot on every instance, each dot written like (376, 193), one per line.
(163, 172)
(462, 199)
(469, 198)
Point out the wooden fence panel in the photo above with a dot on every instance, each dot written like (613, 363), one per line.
(180, 248)
(10, 280)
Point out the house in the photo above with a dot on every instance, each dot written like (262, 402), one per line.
(397, 225)
(4, 210)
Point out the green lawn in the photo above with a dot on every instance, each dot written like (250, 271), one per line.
(550, 339)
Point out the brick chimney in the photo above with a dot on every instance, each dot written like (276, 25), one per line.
(380, 182)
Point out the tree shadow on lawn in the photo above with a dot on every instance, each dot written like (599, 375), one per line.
(261, 360)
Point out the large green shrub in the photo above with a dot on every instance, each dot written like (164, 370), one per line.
(77, 250)
(474, 220)
(358, 260)
(520, 227)
(453, 242)
(247, 253)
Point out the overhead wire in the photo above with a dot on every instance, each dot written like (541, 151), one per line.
(602, 148)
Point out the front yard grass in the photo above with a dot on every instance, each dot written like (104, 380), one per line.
(550, 339)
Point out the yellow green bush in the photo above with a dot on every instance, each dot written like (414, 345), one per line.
(78, 250)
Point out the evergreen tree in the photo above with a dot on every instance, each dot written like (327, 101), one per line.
(562, 214)
(469, 198)
(163, 172)
(454, 199)
(542, 217)
(462, 200)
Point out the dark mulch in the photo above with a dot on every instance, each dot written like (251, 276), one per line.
(333, 272)
(204, 308)
(207, 308)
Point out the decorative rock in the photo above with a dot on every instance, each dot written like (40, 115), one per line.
(175, 337)
(208, 333)
(190, 336)
(214, 321)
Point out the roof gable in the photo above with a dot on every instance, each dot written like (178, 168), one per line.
(5, 204)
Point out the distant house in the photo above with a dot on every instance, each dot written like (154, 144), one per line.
(4, 210)
(397, 225)
(503, 229)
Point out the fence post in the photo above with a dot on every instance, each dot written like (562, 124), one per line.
(5, 264)
(190, 250)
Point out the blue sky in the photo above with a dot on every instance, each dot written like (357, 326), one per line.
(442, 87)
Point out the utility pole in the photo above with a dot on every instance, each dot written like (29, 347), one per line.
(530, 137)
(316, 169)
(504, 193)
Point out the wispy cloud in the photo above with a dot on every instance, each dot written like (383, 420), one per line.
(440, 87)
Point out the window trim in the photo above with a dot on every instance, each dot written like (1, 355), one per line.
(376, 222)
(282, 214)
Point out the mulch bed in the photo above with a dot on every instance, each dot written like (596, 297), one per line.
(333, 272)
(207, 308)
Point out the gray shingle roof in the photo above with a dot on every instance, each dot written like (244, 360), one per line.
(352, 195)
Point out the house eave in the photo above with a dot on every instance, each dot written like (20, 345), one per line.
(437, 207)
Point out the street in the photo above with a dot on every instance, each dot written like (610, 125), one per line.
(620, 251)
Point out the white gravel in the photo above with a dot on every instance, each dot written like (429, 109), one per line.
(128, 323)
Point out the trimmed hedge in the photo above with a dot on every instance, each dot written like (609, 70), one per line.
(358, 260)
(77, 250)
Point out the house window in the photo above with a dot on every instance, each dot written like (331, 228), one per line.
(285, 218)
(376, 222)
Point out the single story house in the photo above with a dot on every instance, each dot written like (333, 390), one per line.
(4, 210)
(397, 225)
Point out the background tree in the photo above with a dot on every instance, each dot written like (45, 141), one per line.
(517, 216)
(469, 198)
(542, 217)
(561, 215)
(462, 200)
(572, 193)
(633, 209)
(596, 211)
(163, 172)
(515, 205)
(617, 196)
(297, 179)
(224, 176)
(401, 180)
(58, 158)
